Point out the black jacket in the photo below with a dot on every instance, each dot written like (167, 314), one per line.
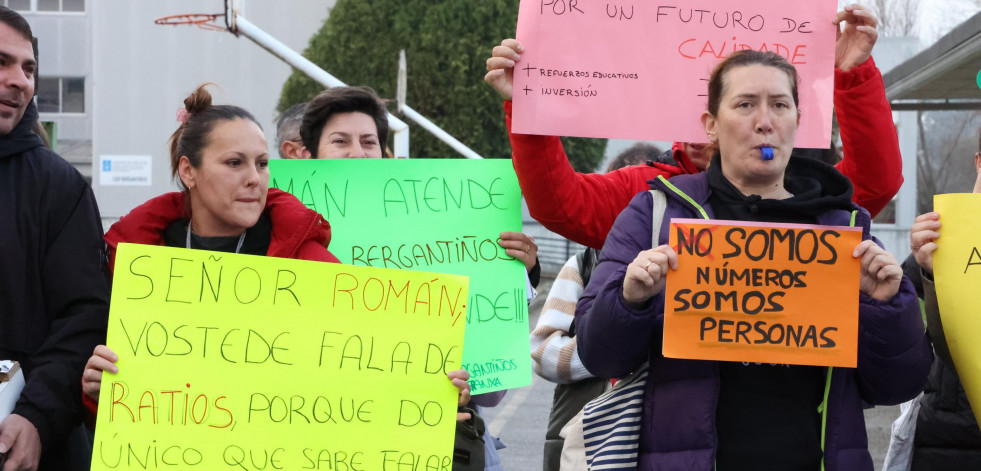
(54, 295)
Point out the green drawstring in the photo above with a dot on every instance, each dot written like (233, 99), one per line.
(823, 409)
(683, 195)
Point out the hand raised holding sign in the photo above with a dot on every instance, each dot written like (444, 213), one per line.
(646, 274)
(102, 359)
(459, 379)
(500, 66)
(923, 239)
(881, 273)
(520, 246)
(854, 42)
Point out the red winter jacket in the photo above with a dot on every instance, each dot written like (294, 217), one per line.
(297, 232)
(582, 207)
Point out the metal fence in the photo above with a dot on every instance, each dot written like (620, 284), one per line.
(553, 249)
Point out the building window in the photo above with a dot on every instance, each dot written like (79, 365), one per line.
(18, 5)
(47, 6)
(61, 95)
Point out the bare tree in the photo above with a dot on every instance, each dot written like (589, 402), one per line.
(897, 17)
(948, 141)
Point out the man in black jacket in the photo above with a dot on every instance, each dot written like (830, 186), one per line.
(54, 296)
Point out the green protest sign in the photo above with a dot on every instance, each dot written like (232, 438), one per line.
(434, 215)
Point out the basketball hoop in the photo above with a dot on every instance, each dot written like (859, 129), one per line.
(208, 21)
(204, 21)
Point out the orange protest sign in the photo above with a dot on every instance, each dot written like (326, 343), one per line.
(767, 293)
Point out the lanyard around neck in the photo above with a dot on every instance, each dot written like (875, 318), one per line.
(238, 247)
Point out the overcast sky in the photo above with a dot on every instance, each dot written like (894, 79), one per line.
(937, 17)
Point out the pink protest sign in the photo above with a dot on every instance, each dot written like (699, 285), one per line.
(639, 69)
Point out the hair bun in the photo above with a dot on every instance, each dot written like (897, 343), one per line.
(199, 100)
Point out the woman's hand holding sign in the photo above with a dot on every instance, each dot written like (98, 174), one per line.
(923, 239)
(520, 246)
(102, 359)
(854, 42)
(647, 274)
(459, 379)
(500, 66)
(881, 273)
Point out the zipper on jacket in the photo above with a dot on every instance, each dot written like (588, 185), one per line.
(823, 407)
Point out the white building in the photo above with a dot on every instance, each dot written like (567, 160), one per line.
(112, 81)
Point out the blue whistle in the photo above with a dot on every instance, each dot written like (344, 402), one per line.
(767, 153)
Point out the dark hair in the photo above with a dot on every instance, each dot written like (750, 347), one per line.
(17, 22)
(341, 100)
(746, 57)
(979, 139)
(717, 81)
(288, 124)
(191, 137)
(635, 155)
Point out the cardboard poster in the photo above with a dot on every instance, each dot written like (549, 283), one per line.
(957, 274)
(766, 293)
(436, 215)
(639, 70)
(233, 361)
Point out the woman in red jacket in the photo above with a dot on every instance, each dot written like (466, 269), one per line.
(218, 155)
(582, 207)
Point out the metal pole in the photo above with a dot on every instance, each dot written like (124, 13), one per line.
(400, 130)
(439, 133)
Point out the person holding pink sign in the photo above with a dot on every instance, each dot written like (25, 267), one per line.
(582, 207)
(729, 415)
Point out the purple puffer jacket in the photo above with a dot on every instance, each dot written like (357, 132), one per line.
(678, 430)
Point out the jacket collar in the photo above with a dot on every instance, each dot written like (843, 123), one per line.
(22, 137)
(293, 223)
(682, 159)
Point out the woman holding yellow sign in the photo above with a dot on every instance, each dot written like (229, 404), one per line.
(727, 415)
(946, 434)
(218, 153)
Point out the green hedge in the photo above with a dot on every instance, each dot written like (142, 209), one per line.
(446, 45)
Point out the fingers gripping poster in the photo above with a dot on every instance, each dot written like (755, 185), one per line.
(436, 215)
(231, 361)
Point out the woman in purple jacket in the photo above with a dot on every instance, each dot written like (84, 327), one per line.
(705, 415)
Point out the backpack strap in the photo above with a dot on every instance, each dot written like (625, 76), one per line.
(657, 216)
(588, 259)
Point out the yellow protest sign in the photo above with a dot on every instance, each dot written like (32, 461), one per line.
(768, 293)
(957, 274)
(243, 362)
